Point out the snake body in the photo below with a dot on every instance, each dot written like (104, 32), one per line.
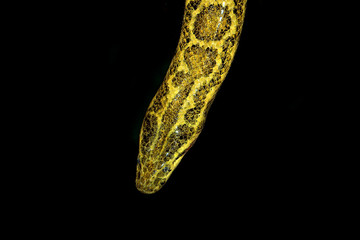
(209, 38)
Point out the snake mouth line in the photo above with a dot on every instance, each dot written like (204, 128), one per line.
(149, 187)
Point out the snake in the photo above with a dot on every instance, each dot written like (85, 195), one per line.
(176, 116)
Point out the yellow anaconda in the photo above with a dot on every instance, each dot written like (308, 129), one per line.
(209, 38)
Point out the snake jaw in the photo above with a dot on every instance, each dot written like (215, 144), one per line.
(145, 188)
(150, 177)
(149, 185)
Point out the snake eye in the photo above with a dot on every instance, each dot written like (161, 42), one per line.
(166, 169)
(138, 160)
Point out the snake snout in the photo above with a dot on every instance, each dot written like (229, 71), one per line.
(147, 181)
(146, 185)
(152, 174)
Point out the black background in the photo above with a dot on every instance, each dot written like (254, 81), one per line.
(261, 151)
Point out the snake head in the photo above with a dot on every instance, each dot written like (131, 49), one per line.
(151, 176)
(161, 150)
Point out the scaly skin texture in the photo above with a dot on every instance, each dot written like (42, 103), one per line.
(209, 38)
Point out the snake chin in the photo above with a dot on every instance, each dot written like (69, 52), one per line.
(151, 177)
(150, 180)
(146, 190)
(149, 186)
